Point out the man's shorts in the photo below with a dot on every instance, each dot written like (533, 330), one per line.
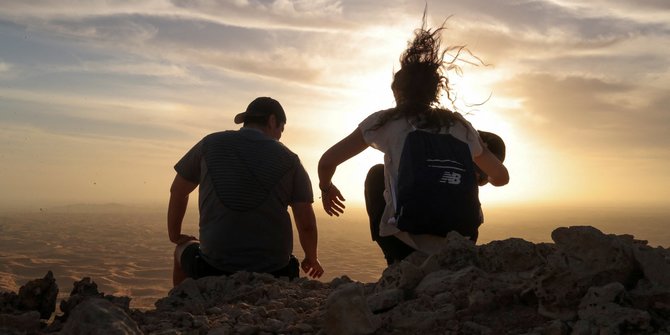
(194, 266)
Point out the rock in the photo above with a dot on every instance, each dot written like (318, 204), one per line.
(87, 289)
(584, 257)
(82, 290)
(246, 329)
(300, 328)
(340, 281)
(214, 310)
(385, 300)
(39, 295)
(390, 278)
(273, 325)
(556, 327)
(457, 253)
(25, 323)
(458, 283)
(590, 254)
(654, 264)
(470, 327)
(186, 296)
(651, 297)
(347, 312)
(99, 316)
(287, 315)
(512, 255)
(222, 330)
(601, 306)
(404, 275)
(584, 327)
(418, 316)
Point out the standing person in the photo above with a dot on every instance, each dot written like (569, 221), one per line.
(247, 180)
(417, 216)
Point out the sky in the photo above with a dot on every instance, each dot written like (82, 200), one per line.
(99, 99)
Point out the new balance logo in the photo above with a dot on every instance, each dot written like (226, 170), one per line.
(452, 178)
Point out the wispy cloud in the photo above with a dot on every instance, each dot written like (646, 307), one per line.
(656, 11)
(5, 69)
(594, 115)
(164, 72)
(279, 14)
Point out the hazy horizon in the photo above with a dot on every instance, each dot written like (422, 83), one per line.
(129, 253)
(358, 207)
(502, 221)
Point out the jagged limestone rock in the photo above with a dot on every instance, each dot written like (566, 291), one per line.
(99, 316)
(39, 295)
(605, 308)
(347, 312)
(513, 255)
(584, 257)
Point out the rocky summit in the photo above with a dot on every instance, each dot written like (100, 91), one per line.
(586, 282)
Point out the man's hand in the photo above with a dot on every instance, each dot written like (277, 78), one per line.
(332, 200)
(312, 267)
(181, 239)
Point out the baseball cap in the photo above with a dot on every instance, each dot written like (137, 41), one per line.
(262, 106)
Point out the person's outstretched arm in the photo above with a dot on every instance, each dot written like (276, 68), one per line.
(179, 192)
(348, 147)
(305, 221)
(491, 165)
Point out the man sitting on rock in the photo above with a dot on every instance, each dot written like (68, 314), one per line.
(247, 180)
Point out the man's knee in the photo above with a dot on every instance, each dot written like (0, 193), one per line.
(179, 250)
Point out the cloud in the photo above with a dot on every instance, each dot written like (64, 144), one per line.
(169, 73)
(5, 69)
(278, 14)
(644, 10)
(173, 44)
(70, 114)
(591, 115)
(313, 43)
(541, 28)
(45, 10)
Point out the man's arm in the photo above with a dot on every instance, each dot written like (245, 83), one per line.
(179, 192)
(305, 221)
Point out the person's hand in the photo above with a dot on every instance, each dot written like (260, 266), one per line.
(312, 267)
(482, 178)
(182, 238)
(332, 200)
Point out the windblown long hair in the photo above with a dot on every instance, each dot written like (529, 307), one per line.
(421, 81)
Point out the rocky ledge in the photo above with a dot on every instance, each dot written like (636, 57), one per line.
(586, 282)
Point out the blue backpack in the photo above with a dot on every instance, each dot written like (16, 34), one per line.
(437, 187)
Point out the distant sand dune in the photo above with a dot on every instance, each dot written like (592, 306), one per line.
(127, 253)
(8, 282)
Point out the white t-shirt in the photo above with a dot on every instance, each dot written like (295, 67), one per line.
(390, 139)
